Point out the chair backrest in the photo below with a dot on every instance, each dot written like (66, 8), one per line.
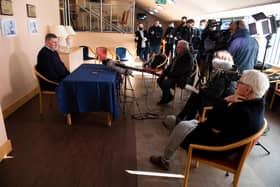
(101, 53)
(85, 51)
(43, 80)
(121, 52)
(158, 60)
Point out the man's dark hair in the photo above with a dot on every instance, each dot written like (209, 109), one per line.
(190, 21)
(50, 36)
(184, 17)
(203, 20)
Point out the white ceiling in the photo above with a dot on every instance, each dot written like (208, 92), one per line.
(202, 8)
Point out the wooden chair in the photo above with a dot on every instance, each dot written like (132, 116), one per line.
(194, 76)
(203, 117)
(42, 92)
(230, 164)
(158, 68)
(275, 93)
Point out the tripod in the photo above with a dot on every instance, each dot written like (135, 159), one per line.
(125, 88)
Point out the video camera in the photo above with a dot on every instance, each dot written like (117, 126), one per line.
(217, 36)
(232, 74)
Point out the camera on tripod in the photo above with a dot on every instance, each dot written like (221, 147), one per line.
(232, 74)
(215, 36)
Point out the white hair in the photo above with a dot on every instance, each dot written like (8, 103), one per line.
(184, 43)
(257, 80)
(222, 60)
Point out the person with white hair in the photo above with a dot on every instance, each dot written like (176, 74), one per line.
(236, 117)
(219, 86)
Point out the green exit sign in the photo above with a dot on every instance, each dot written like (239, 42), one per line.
(161, 1)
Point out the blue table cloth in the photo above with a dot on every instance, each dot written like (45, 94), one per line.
(90, 88)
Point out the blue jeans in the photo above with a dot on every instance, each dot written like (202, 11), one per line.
(143, 53)
(155, 49)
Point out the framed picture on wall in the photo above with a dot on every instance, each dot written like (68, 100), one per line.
(31, 10)
(8, 27)
(33, 27)
(6, 7)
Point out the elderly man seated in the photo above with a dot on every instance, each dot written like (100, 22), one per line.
(178, 73)
(236, 117)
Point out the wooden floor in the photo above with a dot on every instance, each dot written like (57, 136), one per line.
(48, 153)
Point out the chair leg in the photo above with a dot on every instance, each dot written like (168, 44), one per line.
(258, 143)
(41, 103)
(236, 179)
(187, 170)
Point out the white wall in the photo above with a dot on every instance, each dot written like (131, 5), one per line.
(3, 134)
(18, 54)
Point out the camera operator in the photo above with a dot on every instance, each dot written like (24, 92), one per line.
(212, 39)
(243, 48)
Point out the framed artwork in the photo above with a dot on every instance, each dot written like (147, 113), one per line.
(33, 27)
(6, 7)
(31, 10)
(8, 27)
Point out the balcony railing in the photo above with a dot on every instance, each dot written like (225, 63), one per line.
(100, 17)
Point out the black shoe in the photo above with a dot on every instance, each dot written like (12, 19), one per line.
(160, 162)
(165, 101)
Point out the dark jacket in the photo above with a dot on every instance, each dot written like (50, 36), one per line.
(216, 89)
(183, 32)
(170, 35)
(244, 50)
(155, 35)
(139, 40)
(50, 66)
(234, 121)
(182, 70)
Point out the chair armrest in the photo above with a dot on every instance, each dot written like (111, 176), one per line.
(44, 78)
(230, 146)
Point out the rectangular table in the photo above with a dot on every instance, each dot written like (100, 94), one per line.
(90, 88)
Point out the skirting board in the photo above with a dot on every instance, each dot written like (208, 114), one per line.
(5, 149)
(18, 103)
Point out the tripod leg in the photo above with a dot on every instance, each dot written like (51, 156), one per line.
(258, 143)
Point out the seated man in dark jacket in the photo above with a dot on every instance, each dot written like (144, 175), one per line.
(237, 117)
(178, 73)
(49, 63)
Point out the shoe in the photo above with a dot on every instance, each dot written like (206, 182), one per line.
(159, 162)
(165, 101)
